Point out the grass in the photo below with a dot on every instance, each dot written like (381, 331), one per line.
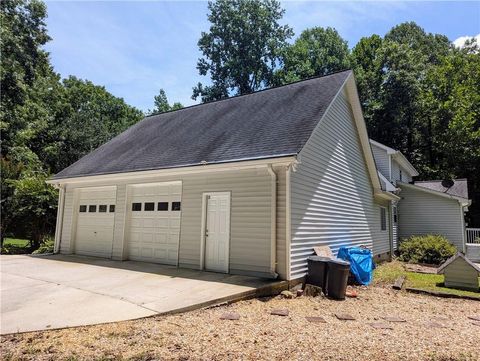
(16, 246)
(388, 272)
(16, 242)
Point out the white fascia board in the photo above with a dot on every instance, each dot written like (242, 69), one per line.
(352, 93)
(383, 146)
(386, 196)
(404, 163)
(463, 201)
(219, 167)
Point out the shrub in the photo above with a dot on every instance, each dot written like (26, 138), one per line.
(45, 247)
(430, 248)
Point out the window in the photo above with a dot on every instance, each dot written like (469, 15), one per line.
(102, 208)
(401, 175)
(92, 209)
(383, 218)
(395, 216)
(83, 208)
(136, 206)
(149, 206)
(176, 206)
(112, 208)
(162, 206)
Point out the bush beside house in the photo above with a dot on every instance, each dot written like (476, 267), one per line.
(430, 249)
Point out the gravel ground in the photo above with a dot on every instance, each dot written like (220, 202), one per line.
(435, 329)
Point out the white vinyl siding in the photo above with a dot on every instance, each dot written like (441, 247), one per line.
(331, 192)
(382, 160)
(399, 174)
(423, 213)
(394, 229)
(250, 244)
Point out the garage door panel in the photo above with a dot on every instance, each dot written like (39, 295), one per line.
(94, 230)
(154, 234)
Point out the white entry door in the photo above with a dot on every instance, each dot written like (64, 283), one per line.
(154, 216)
(217, 232)
(95, 221)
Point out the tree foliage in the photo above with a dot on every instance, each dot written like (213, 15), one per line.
(317, 51)
(242, 48)
(161, 104)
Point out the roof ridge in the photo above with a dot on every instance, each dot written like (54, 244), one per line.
(255, 92)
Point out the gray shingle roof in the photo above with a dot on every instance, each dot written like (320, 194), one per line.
(455, 187)
(270, 123)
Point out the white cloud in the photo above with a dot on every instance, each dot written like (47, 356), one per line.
(460, 42)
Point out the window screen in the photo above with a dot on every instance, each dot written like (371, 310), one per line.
(136, 206)
(149, 206)
(83, 208)
(102, 208)
(162, 206)
(112, 208)
(176, 206)
(383, 218)
(92, 208)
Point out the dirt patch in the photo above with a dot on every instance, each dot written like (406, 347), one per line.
(421, 268)
(258, 335)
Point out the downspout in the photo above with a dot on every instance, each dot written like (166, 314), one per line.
(273, 222)
(59, 224)
(464, 245)
(288, 221)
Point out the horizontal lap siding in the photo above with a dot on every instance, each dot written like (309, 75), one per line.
(250, 217)
(331, 193)
(66, 238)
(461, 274)
(382, 160)
(423, 213)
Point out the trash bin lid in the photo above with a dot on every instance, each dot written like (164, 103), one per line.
(319, 259)
(339, 262)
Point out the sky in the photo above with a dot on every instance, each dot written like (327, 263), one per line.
(134, 48)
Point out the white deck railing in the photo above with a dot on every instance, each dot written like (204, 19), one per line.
(473, 235)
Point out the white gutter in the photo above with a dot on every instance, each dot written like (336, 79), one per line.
(463, 201)
(273, 222)
(133, 175)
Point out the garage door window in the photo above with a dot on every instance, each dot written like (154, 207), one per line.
(162, 206)
(83, 208)
(112, 208)
(149, 206)
(176, 206)
(92, 208)
(102, 208)
(136, 207)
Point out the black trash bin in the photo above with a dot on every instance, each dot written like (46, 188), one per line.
(317, 271)
(337, 278)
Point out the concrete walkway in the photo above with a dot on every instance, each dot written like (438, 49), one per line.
(46, 292)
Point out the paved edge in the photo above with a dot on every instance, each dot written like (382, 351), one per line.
(270, 290)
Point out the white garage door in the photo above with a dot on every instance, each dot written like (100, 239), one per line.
(95, 221)
(154, 217)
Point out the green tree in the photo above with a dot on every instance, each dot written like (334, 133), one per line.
(161, 104)
(11, 171)
(22, 34)
(317, 51)
(241, 50)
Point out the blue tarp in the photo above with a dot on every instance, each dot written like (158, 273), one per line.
(361, 263)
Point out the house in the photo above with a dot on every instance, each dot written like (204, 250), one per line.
(435, 207)
(460, 272)
(246, 185)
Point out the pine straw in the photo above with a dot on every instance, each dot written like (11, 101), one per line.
(201, 335)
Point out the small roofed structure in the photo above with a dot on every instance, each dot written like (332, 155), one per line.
(460, 272)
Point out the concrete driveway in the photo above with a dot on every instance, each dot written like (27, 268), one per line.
(46, 292)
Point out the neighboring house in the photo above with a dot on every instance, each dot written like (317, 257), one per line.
(246, 185)
(435, 207)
